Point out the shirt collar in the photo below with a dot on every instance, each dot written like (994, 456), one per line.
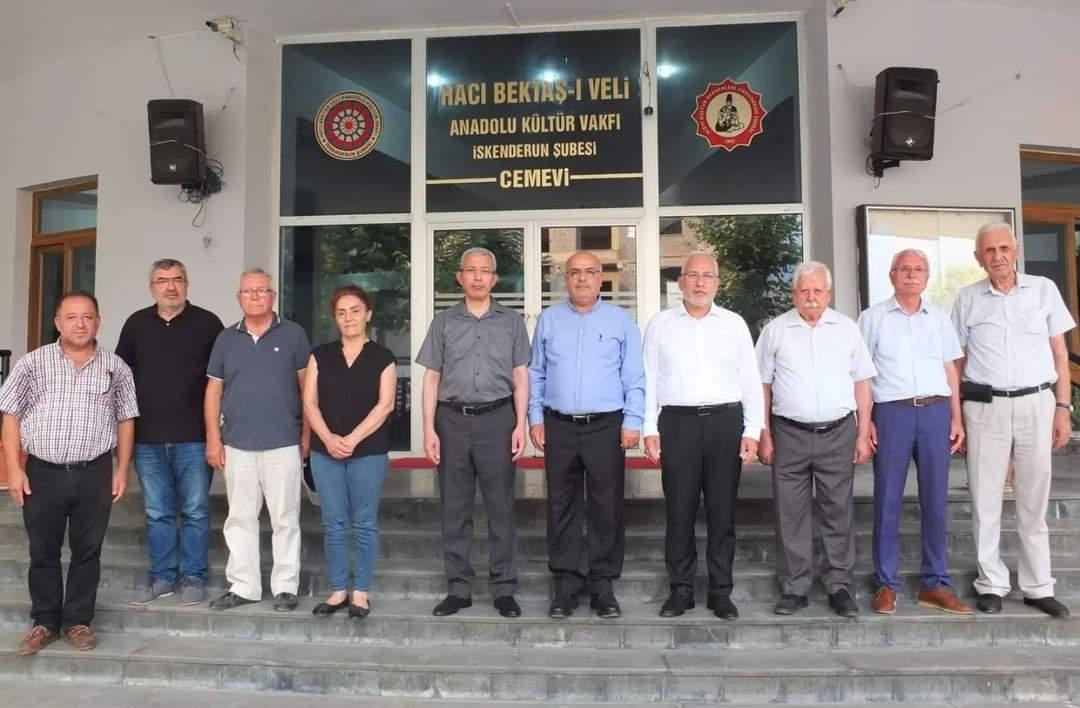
(895, 305)
(596, 306)
(830, 316)
(274, 323)
(460, 308)
(1023, 280)
(714, 310)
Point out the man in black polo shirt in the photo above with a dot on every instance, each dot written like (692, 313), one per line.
(167, 346)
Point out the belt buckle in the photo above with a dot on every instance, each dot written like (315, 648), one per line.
(820, 428)
(918, 402)
(703, 411)
(468, 410)
(581, 417)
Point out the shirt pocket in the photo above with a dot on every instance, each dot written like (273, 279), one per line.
(460, 343)
(1034, 322)
(608, 345)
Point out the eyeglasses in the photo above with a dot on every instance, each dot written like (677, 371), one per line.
(255, 292)
(907, 270)
(476, 271)
(163, 282)
(586, 272)
(703, 277)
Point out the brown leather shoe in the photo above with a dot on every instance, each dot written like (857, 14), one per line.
(943, 599)
(885, 601)
(37, 639)
(81, 637)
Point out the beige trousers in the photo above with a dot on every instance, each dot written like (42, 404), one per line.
(1023, 427)
(249, 478)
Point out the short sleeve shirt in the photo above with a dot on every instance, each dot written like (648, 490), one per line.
(348, 393)
(475, 356)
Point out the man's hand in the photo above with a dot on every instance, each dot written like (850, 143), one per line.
(119, 484)
(863, 449)
(536, 432)
(517, 442)
(873, 436)
(765, 451)
(629, 438)
(18, 485)
(652, 448)
(956, 435)
(432, 446)
(748, 448)
(1062, 428)
(215, 454)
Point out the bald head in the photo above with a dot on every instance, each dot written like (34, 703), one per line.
(584, 274)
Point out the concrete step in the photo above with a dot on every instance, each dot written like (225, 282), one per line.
(413, 579)
(991, 675)
(410, 623)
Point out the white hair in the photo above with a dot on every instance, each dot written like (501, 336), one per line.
(702, 254)
(258, 271)
(994, 226)
(806, 268)
(909, 252)
(479, 251)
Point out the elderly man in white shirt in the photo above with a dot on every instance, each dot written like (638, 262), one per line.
(704, 408)
(816, 372)
(1016, 391)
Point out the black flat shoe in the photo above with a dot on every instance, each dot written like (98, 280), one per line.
(325, 609)
(677, 604)
(357, 612)
(1048, 605)
(562, 606)
(724, 608)
(450, 605)
(507, 607)
(605, 605)
(285, 602)
(790, 604)
(843, 604)
(988, 603)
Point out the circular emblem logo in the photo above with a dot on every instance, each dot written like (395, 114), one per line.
(729, 114)
(348, 125)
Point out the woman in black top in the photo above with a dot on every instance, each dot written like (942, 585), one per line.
(348, 399)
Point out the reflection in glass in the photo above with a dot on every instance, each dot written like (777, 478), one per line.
(507, 245)
(83, 259)
(69, 211)
(757, 254)
(317, 259)
(615, 246)
(52, 287)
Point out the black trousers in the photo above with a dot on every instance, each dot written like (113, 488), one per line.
(700, 454)
(586, 477)
(79, 502)
(477, 449)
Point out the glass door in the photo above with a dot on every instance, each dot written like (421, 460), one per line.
(507, 243)
(614, 245)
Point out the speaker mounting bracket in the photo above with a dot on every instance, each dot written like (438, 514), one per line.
(879, 165)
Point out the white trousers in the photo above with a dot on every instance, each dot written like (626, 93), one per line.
(249, 478)
(1022, 426)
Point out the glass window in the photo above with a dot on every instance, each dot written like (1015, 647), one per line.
(1050, 181)
(508, 245)
(345, 128)
(618, 261)
(68, 211)
(317, 259)
(757, 254)
(728, 114)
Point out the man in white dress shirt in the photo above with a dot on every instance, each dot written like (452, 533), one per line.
(816, 373)
(704, 408)
(1016, 391)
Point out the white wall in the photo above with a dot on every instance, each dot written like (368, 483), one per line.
(87, 116)
(977, 48)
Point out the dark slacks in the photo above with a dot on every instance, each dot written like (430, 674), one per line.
(700, 454)
(585, 467)
(79, 502)
(904, 432)
(477, 448)
(814, 476)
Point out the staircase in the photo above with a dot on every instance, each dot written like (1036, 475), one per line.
(168, 655)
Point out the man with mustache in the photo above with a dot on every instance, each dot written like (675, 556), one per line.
(816, 373)
(1016, 390)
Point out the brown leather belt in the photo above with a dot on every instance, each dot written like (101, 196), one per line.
(920, 401)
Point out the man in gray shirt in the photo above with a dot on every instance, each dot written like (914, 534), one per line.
(476, 390)
(254, 432)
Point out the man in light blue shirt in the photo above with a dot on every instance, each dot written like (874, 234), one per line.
(916, 414)
(586, 406)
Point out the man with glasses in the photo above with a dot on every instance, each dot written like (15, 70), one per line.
(916, 414)
(704, 405)
(255, 432)
(476, 390)
(587, 390)
(167, 346)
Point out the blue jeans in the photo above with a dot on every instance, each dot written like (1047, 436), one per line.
(175, 479)
(349, 492)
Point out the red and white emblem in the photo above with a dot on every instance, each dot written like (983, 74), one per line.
(348, 125)
(729, 114)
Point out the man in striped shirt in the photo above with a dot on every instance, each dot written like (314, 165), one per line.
(68, 404)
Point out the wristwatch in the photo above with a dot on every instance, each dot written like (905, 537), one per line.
(1064, 406)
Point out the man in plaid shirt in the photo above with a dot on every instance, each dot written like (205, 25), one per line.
(68, 404)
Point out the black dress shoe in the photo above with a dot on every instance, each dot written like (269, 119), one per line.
(230, 600)
(1048, 605)
(284, 602)
(723, 607)
(988, 603)
(790, 604)
(605, 605)
(843, 604)
(357, 612)
(450, 605)
(507, 606)
(325, 609)
(562, 606)
(676, 604)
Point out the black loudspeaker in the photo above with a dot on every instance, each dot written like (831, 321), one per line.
(905, 103)
(177, 142)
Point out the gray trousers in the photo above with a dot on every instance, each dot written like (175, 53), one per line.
(477, 448)
(813, 475)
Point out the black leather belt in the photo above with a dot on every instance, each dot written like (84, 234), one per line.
(1017, 392)
(69, 466)
(815, 427)
(476, 408)
(701, 410)
(920, 401)
(579, 418)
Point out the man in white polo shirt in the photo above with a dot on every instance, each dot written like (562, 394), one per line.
(816, 373)
(1016, 391)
